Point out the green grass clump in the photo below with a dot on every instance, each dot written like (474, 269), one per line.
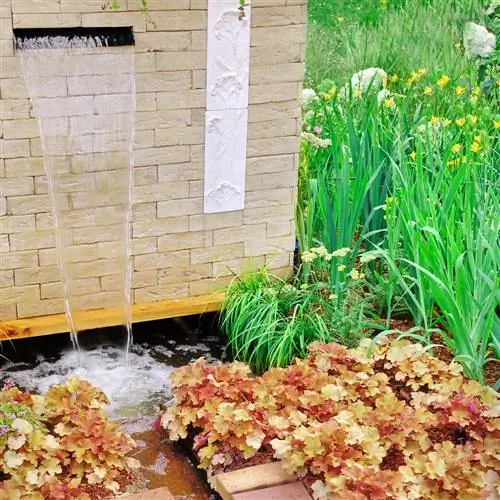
(396, 36)
(269, 321)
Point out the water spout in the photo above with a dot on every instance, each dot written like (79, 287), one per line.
(82, 87)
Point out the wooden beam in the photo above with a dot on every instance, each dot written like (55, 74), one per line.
(99, 318)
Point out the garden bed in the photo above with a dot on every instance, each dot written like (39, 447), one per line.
(351, 425)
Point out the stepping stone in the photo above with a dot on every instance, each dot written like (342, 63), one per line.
(290, 491)
(258, 477)
(156, 494)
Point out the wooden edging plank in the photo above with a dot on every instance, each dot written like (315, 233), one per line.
(250, 478)
(99, 318)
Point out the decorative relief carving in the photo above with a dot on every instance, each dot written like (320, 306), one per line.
(228, 60)
(225, 160)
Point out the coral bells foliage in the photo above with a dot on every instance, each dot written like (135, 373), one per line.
(397, 423)
(60, 445)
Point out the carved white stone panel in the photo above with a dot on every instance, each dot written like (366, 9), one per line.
(225, 160)
(228, 67)
(228, 55)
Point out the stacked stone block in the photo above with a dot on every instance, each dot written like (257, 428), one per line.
(177, 250)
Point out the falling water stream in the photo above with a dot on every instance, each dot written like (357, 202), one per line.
(83, 95)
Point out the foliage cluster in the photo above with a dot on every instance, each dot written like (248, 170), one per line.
(395, 423)
(59, 445)
(419, 164)
(397, 215)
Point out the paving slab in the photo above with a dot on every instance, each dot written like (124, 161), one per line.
(250, 478)
(290, 491)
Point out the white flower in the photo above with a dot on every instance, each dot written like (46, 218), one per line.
(383, 95)
(478, 41)
(356, 275)
(308, 256)
(369, 78)
(341, 252)
(315, 140)
(23, 426)
(309, 97)
(15, 442)
(368, 256)
(321, 251)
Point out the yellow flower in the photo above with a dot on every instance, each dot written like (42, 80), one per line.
(357, 93)
(394, 78)
(428, 91)
(459, 90)
(383, 4)
(472, 119)
(413, 78)
(460, 122)
(327, 96)
(458, 45)
(340, 19)
(456, 148)
(389, 103)
(341, 267)
(443, 81)
(413, 155)
(477, 138)
(421, 72)
(496, 123)
(446, 122)
(475, 147)
(498, 83)
(453, 163)
(434, 120)
(476, 91)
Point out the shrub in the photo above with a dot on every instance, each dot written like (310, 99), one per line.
(398, 424)
(269, 321)
(60, 445)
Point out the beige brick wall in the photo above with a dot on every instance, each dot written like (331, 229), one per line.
(177, 250)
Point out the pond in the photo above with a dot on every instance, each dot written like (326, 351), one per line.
(137, 392)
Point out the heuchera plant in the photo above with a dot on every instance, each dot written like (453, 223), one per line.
(58, 445)
(396, 423)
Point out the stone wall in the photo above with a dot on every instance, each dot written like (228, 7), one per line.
(178, 250)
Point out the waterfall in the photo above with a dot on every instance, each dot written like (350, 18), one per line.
(82, 89)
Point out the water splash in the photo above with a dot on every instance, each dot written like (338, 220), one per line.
(83, 95)
(136, 392)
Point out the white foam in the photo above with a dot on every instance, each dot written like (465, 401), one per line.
(135, 391)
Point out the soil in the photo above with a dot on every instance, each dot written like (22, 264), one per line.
(491, 370)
